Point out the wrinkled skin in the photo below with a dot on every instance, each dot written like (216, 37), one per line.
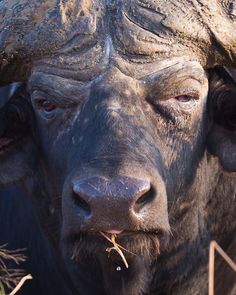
(129, 141)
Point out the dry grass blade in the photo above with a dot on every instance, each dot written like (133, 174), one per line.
(118, 250)
(112, 240)
(214, 246)
(14, 255)
(20, 284)
(116, 247)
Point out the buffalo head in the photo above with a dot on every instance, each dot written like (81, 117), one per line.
(119, 91)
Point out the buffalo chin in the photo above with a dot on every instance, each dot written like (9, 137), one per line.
(87, 254)
(102, 275)
(119, 280)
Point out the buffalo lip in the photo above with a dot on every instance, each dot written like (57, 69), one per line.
(113, 231)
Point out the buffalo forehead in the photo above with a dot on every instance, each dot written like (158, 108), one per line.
(161, 75)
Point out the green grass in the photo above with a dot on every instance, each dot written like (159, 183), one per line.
(2, 291)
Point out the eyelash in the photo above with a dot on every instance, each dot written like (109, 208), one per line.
(176, 107)
(185, 98)
(183, 101)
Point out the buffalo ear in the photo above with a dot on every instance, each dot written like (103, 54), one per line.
(222, 107)
(18, 150)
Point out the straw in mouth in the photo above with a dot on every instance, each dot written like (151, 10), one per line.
(116, 247)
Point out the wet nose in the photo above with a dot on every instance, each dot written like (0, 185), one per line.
(110, 205)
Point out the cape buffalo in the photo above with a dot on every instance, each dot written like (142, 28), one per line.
(130, 148)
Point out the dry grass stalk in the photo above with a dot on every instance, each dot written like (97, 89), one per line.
(116, 247)
(10, 277)
(20, 284)
(14, 255)
(214, 246)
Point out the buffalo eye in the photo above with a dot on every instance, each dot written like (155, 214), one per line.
(46, 105)
(184, 98)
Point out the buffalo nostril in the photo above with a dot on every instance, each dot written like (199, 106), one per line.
(144, 199)
(82, 204)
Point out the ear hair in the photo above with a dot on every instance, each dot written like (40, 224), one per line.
(17, 115)
(224, 73)
(222, 99)
(222, 108)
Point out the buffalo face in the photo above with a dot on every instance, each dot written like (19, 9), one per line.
(120, 150)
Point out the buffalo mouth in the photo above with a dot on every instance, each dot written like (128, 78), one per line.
(142, 244)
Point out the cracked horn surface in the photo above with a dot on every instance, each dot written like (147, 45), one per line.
(154, 29)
